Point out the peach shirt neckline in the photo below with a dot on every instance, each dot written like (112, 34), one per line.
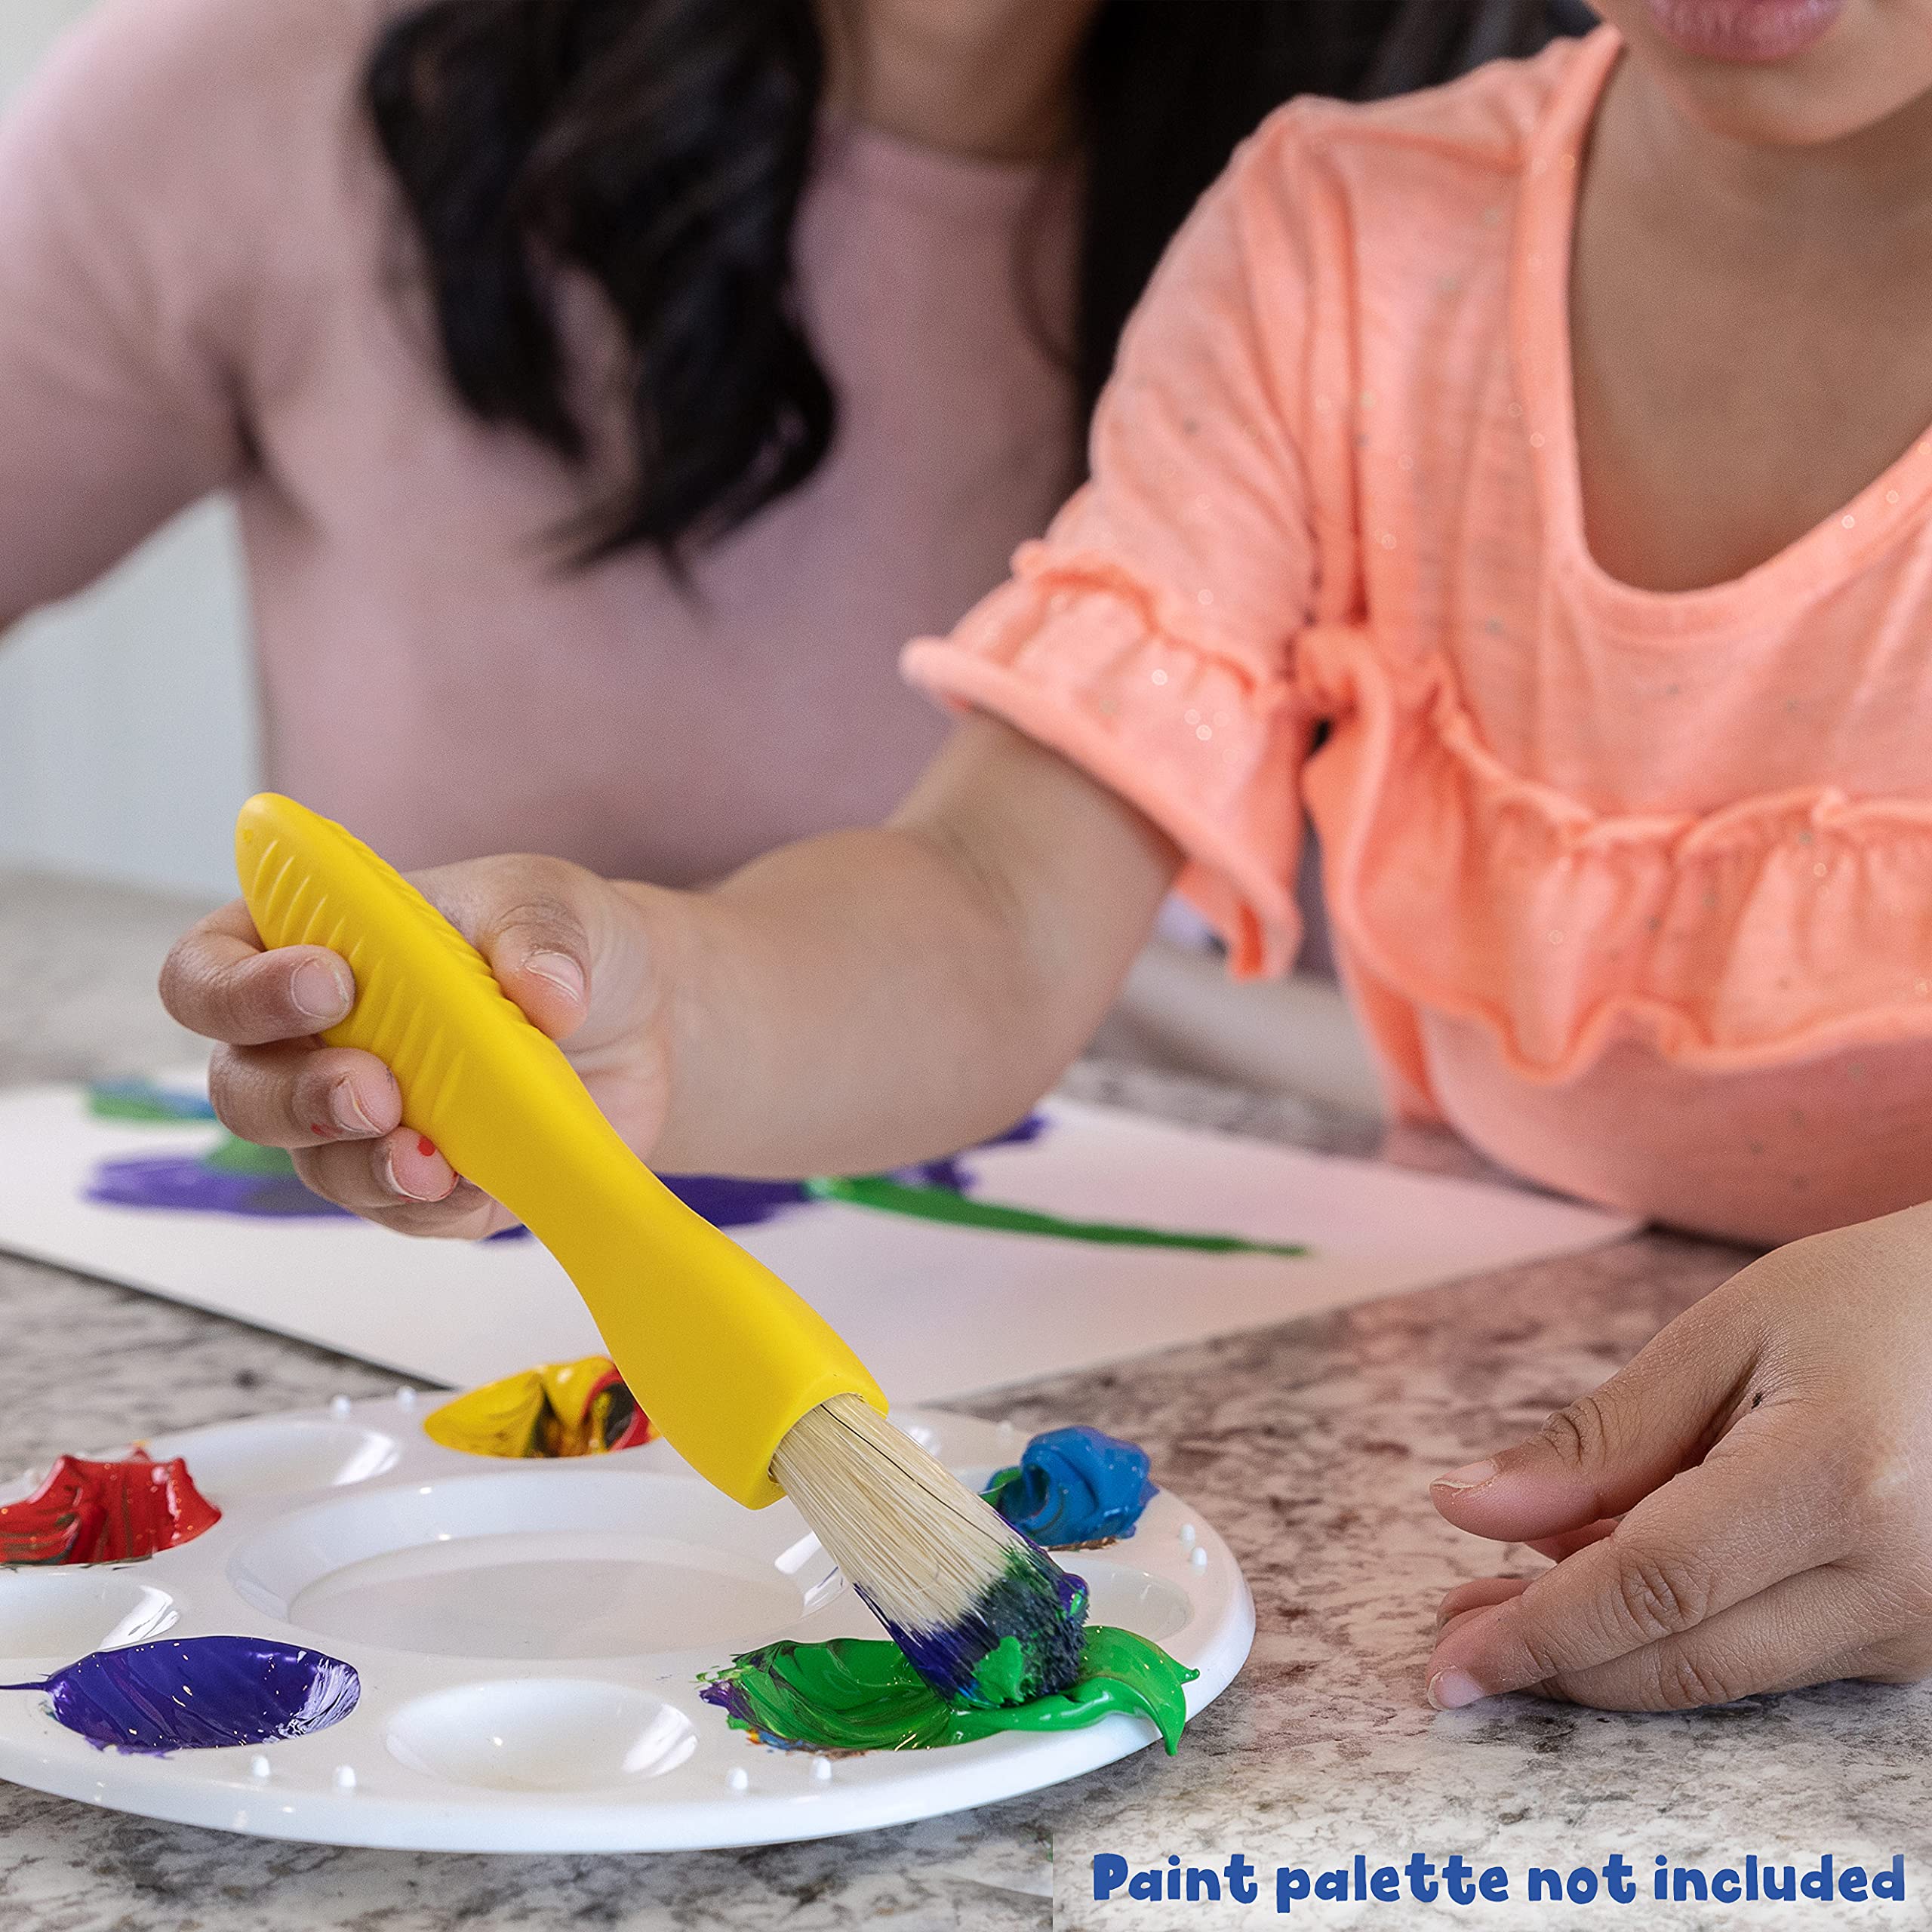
(1540, 333)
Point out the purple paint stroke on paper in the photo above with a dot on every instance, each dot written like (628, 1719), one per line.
(728, 1202)
(199, 1694)
(182, 1182)
(262, 1183)
(234, 1179)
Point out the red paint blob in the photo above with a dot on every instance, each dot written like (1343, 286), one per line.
(105, 1513)
(425, 1146)
(621, 1421)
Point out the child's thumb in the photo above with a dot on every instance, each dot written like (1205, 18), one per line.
(532, 919)
(1605, 1452)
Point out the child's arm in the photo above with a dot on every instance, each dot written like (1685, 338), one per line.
(876, 996)
(1745, 1507)
(852, 1002)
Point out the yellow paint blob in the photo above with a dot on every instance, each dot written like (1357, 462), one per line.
(559, 1408)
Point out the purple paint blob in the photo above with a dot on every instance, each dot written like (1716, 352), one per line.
(199, 1694)
(728, 1202)
(728, 1694)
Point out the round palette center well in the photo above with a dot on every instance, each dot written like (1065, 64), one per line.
(538, 1563)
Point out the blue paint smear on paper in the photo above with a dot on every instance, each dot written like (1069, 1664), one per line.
(1076, 1485)
(199, 1694)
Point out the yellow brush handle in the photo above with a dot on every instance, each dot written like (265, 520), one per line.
(723, 1356)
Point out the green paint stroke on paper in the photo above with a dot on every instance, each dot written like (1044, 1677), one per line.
(857, 1694)
(143, 1100)
(233, 1155)
(940, 1203)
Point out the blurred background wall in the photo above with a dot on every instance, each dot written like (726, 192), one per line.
(127, 716)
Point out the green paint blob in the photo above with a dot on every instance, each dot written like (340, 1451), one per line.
(1002, 1676)
(941, 1203)
(232, 1156)
(856, 1693)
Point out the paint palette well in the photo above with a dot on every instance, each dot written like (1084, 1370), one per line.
(529, 1637)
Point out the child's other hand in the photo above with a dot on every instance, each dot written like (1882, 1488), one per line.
(1747, 1507)
(568, 947)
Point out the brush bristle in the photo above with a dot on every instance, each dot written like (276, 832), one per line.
(982, 1613)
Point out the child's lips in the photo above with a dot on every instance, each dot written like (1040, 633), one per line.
(1745, 30)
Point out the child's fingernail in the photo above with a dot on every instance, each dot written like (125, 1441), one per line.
(317, 991)
(560, 969)
(348, 1110)
(428, 1184)
(1471, 1476)
(1450, 1690)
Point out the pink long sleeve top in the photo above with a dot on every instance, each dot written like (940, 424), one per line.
(207, 283)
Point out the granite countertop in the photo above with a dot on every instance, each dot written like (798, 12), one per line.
(1308, 1445)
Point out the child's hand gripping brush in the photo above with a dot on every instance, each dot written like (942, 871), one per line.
(746, 1380)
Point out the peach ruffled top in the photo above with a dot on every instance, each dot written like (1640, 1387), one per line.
(1634, 889)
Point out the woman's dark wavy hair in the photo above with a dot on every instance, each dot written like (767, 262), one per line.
(661, 147)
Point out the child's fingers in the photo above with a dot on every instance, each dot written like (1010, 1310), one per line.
(1479, 1594)
(292, 1094)
(1568, 1542)
(218, 981)
(1781, 1639)
(403, 1182)
(1712, 1537)
(531, 919)
(370, 1177)
(1606, 1450)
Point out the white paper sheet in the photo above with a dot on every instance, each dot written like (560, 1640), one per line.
(934, 1311)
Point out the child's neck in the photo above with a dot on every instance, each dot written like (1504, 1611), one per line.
(1841, 194)
(1748, 332)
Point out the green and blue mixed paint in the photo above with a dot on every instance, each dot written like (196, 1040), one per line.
(859, 1694)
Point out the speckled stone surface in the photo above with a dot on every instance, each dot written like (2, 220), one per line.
(1308, 1445)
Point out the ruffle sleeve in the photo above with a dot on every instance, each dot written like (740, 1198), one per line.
(1149, 637)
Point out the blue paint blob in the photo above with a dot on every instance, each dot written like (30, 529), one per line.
(200, 1693)
(1074, 1486)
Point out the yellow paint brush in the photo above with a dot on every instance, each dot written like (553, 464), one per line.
(748, 1382)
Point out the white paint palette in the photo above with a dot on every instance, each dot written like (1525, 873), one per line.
(529, 1635)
